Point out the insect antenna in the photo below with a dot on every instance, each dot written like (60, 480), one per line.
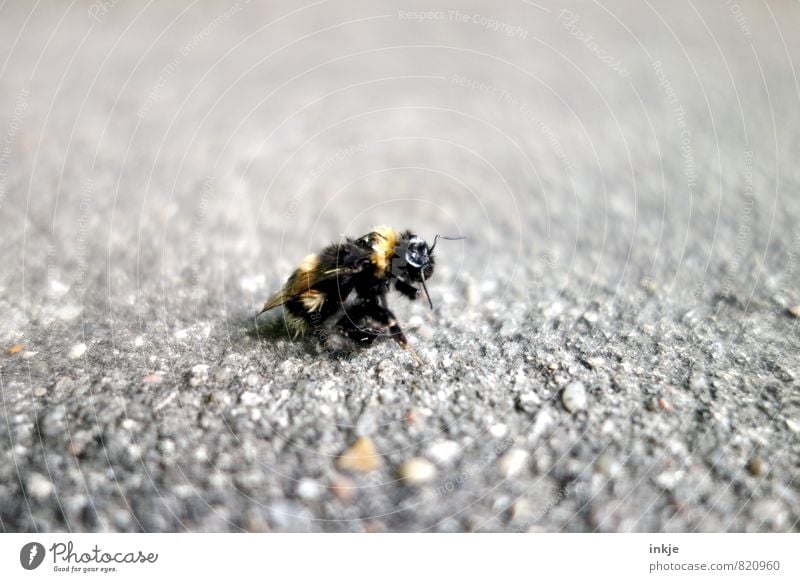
(425, 288)
(436, 240)
(438, 236)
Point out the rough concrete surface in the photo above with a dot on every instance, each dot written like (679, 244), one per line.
(613, 348)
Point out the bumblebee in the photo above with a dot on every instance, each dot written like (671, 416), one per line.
(347, 284)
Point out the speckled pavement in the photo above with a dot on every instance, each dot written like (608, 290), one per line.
(613, 347)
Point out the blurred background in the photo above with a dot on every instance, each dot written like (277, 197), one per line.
(623, 173)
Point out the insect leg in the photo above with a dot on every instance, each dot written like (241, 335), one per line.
(408, 290)
(350, 325)
(385, 317)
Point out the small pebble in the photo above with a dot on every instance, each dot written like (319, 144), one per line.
(252, 284)
(771, 513)
(39, 486)
(698, 382)
(77, 351)
(757, 466)
(167, 447)
(14, 349)
(222, 374)
(417, 471)
(473, 295)
(498, 430)
(374, 526)
(76, 448)
(669, 479)
(794, 311)
(607, 465)
(39, 391)
(529, 401)
(199, 374)
(68, 312)
(501, 503)
(361, 457)
(426, 332)
(665, 405)
(343, 488)
(57, 288)
(543, 423)
(574, 397)
(308, 489)
(28, 355)
(590, 317)
(519, 511)
(249, 398)
(512, 462)
(152, 379)
(595, 363)
(444, 452)
(648, 285)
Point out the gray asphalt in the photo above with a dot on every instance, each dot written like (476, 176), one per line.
(613, 347)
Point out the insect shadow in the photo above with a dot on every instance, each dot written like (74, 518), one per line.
(274, 330)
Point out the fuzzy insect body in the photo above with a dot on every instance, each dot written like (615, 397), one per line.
(347, 284)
